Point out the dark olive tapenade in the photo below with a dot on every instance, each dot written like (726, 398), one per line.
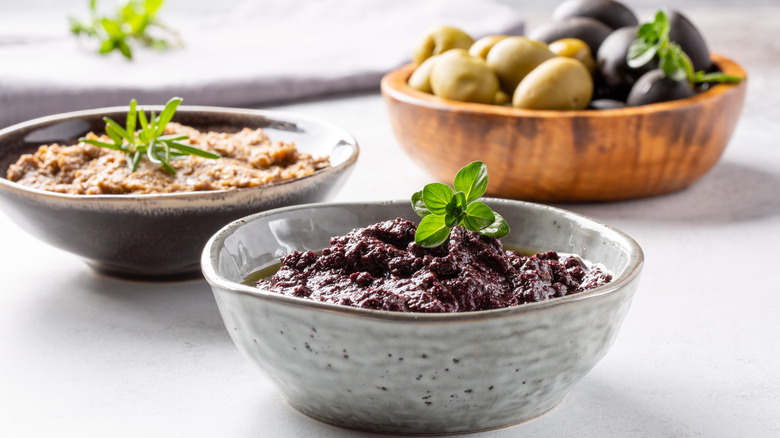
(381, 267)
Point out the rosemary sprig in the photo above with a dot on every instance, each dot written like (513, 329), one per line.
(149, 140)
(131, 22)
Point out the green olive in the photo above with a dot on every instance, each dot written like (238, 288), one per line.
(459, 76)
(574, 48)
(559, 83)
(482, 46)
(421, 77)
(439, 40)
(514, 57)
(501, 98)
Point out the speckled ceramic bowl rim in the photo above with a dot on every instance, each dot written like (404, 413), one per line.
(210, 267)
(409, 95)
(185, 198)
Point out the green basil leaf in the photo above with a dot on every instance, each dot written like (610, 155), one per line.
(456, 206)
(673, 65)
(640, 53)
(418, 205)
(647, 32)
(662, 25)
(498, 229)
(152, 6)
(112, 28)
(472, 180)
(107, 46)
(432, 231)
(478, 216)
(436, 196)
(451, 220)
(124, 49)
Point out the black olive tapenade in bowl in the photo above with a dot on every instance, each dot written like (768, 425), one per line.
(413, 372)
(157, 236)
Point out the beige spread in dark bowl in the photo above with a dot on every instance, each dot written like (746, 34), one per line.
(148, 233)
(248, 158)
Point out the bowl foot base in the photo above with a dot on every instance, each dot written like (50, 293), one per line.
(110, 271)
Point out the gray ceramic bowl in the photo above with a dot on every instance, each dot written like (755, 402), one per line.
(419, 373)
(161, 236)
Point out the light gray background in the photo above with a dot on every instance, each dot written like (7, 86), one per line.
(84, 355)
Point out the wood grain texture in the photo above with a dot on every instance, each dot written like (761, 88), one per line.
(572, 156)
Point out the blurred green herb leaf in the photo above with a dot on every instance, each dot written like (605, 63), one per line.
(442, 208)
(149, 141)
(134, 21)
(653, 41)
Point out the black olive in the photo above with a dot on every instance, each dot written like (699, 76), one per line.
(610, 12)
(654, 87)
(612, 65)
(600, 88)
(684, 33)
(586, 29)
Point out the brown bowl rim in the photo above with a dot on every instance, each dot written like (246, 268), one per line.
(394, 85)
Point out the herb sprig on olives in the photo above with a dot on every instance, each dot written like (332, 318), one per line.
(442, 208)
(149, 140)
(653, 40)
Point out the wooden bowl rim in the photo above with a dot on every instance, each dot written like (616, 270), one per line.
(394, 84)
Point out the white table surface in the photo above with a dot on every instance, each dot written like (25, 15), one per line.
(698, 355)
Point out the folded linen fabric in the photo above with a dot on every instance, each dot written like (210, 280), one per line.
(248, 53)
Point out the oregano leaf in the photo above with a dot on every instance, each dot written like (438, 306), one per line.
(432, 231)
(436, 196)
(472, 180)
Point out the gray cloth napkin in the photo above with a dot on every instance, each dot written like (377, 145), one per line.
(249, 54)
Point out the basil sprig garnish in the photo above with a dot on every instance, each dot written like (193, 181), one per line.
(653, 40)
(149, 141)
(442, 208)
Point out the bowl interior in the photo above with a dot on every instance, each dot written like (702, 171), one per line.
(242, 248)
(312, 136)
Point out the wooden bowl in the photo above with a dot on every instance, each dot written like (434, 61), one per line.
(568, 156)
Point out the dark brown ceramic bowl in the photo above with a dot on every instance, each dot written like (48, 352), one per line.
(569, 156)
(161, 237)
